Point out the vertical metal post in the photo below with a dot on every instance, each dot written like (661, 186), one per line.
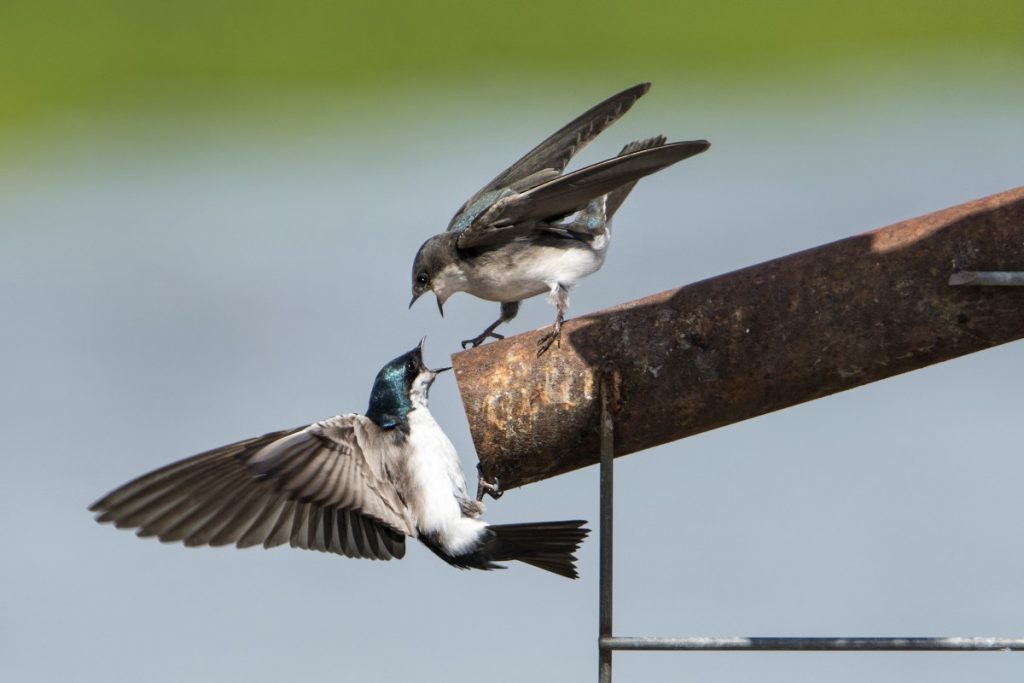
(607, 492)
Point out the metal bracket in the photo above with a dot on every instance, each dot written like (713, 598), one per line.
(607, 642)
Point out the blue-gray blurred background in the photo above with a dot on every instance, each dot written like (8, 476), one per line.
(207, 219)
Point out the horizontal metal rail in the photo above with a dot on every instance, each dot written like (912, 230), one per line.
(800, 644)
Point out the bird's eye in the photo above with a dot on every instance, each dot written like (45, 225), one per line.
(410, 365)
(422, 278)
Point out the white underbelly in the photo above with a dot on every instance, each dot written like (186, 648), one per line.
(433, 491)
(438, 484)
(436, 474)
(543, 269)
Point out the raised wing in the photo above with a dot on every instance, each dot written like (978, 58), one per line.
(312, 487)
(553, 155)
(569, 193)
(617, 196)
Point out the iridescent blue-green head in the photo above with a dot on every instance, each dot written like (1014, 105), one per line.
(401, 386)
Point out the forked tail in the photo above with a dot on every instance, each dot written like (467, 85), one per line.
(547, 545)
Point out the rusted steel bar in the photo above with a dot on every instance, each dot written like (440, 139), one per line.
(748, 342)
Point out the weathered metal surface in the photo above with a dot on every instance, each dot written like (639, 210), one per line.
(748, 342)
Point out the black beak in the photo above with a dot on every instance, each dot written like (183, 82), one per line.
(414, 297)
(438, 371)
(440, 307)
(434, 374)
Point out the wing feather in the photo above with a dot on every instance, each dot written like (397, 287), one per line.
(241, 518)
(281, 532)
(558, 149)
(315, 488)
(301, 536)
(518, 212)
(188, 509)
(263, 524)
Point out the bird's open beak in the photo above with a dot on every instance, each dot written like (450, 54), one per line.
(437, 371)
(440, 306)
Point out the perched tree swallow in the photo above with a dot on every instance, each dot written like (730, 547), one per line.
(533, 230)
(355, 485)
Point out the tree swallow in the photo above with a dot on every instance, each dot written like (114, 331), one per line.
(533, 230)
(355, 485)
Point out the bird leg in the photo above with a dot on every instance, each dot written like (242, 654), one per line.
(483, 486)
(480, 338)
(560, 298)
(509, 309)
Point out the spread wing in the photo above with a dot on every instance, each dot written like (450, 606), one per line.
(313, 487)
(518, 211)
(549, 158)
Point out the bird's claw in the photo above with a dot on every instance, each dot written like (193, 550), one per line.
(548, 339)
(478, 340)
(483, 486)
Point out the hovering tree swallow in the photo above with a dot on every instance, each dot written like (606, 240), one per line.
(355, 485)
(533, 230)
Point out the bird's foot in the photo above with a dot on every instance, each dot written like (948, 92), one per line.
(472, 508)
(549, 338)
(485, 487)
(479, 339)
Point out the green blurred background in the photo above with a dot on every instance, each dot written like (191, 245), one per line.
(67, 64)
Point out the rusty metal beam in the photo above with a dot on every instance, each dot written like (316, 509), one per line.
(748, 342)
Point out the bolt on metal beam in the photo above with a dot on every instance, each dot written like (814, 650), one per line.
(748, 342)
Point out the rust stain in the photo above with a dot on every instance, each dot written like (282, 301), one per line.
(749, 342)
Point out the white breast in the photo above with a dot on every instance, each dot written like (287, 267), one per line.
(437, 483)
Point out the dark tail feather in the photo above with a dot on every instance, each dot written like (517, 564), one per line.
(546, 545)
(618, 195)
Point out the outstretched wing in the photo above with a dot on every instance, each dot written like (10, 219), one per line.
(312, 487)
(549, 158)
(567, 194)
